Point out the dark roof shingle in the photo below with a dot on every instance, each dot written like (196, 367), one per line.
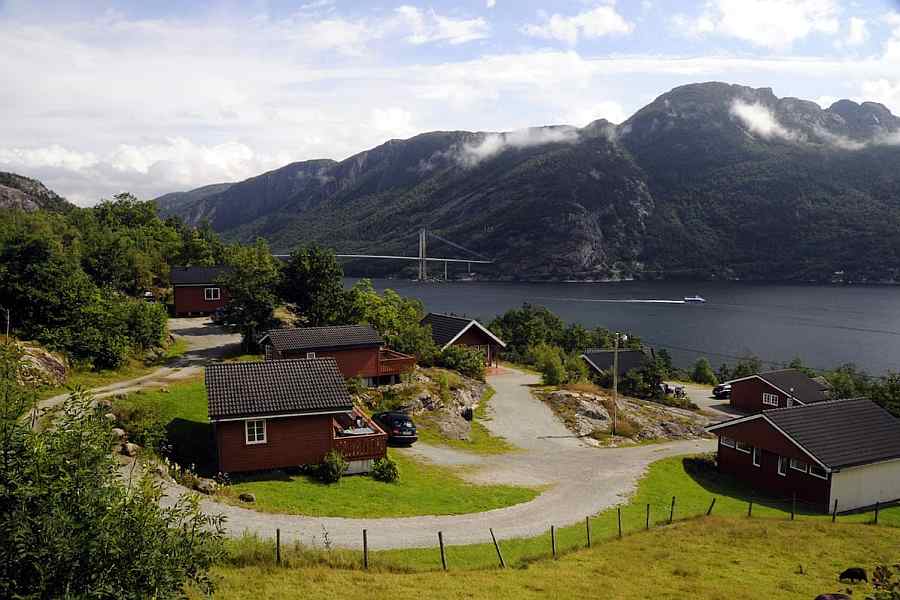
(333, 336)
(445, 328)
(602, 360)
(248, 389)
(805, 389)
(841, 433)
(198, 275)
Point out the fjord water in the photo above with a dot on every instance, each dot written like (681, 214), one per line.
(824, 325)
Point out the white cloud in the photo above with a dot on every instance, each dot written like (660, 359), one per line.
(490, 3)
(769, 23)
(598, 22)
(493, 144)
(581, 116)
(428, 26)
(393, 122)
(146, 170)
(760, 121)
(857, 32)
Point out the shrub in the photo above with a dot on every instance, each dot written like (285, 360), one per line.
(626, 428)
(552, 370)
(332, 468)
(703, 373)
(142, 422)
(468, 361)
(385, 470)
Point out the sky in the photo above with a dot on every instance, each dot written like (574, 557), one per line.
(100, 98)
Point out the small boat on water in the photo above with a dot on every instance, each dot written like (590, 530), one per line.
(694, 299)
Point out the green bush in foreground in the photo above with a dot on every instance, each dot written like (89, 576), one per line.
(71, 528)
(332, 468)
(385, 470)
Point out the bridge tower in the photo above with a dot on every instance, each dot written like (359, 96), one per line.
(423, 258)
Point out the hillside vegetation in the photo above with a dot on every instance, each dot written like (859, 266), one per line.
(709, 180)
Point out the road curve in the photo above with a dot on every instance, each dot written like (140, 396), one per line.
(583, 481)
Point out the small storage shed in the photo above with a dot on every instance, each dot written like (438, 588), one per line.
(451, 330)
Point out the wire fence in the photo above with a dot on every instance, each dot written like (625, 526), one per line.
(605, 528)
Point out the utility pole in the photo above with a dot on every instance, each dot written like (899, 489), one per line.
(615, 382)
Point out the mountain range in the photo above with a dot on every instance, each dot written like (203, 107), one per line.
(709, 180)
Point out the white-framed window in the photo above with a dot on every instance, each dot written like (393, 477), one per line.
(255, 431)
(757, 456)
(770, 399)
(310, 355)
(744, 447)
(727, 441)
(782, 466)
(799, 465)
(212, 293)
(817, 471)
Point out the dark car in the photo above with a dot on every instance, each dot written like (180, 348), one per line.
(722, 391)
(218, 316)
(399, 427)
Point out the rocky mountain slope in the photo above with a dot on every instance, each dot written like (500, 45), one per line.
(21, 192)
(709, 180)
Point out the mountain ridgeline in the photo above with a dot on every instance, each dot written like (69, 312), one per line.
(709, 180)
(27, 194)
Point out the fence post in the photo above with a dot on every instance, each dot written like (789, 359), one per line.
(793, 505)
(441, 544)
(587, 527)
(278, 547)
(497, 548)
(647, 524)
(877, 507)
(750, 509)
(711, 505)
(672, 511)
(834, 512)
(619, 514)
(553, 540)
(365, 549)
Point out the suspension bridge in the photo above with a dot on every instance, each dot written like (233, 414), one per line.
(423, 259)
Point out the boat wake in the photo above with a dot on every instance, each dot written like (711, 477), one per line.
(613, 300)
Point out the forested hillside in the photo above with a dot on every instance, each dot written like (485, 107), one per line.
(709, 180)
(73, 279)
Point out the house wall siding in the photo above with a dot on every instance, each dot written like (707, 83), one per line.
(746, 396)
(863, 486)
(290, 442)
(765, 478)
(189, 300)
(352, 362)
(476, 337)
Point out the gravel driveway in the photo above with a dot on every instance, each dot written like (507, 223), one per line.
(206, 343)
(583, 481)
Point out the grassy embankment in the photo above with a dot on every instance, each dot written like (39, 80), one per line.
(423, 489)
(481, 440)
(713, 558)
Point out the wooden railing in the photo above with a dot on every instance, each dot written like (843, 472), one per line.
(362, 447)
(391, 362)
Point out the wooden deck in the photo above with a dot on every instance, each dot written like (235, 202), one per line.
(359, 447)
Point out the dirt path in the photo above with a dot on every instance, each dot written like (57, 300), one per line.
(206, 343)
(582, 481)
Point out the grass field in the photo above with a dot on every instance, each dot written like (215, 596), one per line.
(711, 558)
(423, 489)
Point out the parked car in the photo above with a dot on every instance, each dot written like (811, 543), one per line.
(722, 391)
(399, 427)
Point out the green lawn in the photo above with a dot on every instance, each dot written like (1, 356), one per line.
(423, 489)
(718, 558)
(693, 486)
(481, 441)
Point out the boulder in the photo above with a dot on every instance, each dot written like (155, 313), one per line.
(205, 486)
(592, 410)
(453, 426)
(130, 449)
(247, 497)
(118, 434)
(40, 367)
(110, 417)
